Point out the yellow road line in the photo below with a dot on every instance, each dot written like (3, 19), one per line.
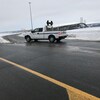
(71, 90)
(75, 96)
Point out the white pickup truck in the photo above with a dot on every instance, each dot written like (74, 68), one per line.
(41, 34)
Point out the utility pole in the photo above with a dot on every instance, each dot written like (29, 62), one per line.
(81, 19)
(31, 15)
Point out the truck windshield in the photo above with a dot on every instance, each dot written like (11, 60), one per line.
(38, 30)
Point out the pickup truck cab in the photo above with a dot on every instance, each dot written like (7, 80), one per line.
(43, 34)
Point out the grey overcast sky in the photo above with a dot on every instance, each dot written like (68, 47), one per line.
(14, 14)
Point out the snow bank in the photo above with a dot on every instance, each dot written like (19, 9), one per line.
(91, 34)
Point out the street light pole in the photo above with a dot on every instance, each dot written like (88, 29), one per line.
(31, 16)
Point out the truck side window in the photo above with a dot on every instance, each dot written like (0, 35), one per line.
(40, 29)
(37, 30)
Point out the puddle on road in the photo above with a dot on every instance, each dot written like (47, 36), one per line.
(95, 51)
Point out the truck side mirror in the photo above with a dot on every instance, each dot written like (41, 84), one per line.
(32, 31)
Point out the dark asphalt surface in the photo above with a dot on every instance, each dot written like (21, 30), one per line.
(74, 62)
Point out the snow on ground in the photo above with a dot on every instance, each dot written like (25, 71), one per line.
(2, 40)
(90, 34)
(21, 35)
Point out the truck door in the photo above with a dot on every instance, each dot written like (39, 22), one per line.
(39, 33)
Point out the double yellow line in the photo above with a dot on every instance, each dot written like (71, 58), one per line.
(74, 94)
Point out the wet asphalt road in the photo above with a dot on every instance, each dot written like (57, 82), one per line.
(74, 62)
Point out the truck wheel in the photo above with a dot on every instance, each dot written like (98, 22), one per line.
(28, 38)
(52, 39)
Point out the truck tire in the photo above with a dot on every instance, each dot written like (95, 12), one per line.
(51, 39)
(28, 38)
